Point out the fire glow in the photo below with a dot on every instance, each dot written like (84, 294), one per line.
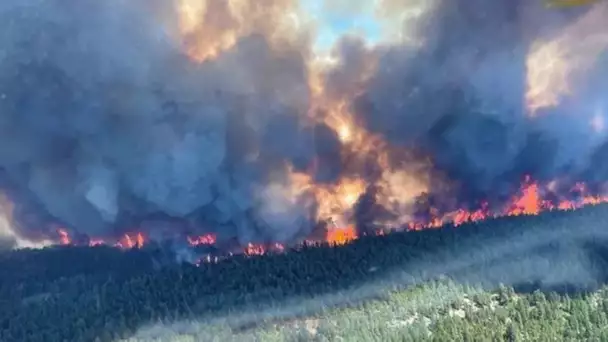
(529, 201)
(398, 188)
(225, 116)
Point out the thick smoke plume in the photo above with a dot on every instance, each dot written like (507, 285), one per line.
(194, 116)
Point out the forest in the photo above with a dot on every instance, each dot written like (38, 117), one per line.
(517, 274)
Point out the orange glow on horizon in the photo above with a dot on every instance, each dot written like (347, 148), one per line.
(529, 201)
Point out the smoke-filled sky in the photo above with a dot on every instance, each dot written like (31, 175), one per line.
(258, 119)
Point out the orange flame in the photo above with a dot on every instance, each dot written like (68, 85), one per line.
(129, 241)
(529, 201)
(341, 236)
(207, 239)
(64, 237)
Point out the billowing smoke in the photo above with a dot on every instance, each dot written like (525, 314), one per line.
(105, 118)
(222, 116)
(461, 95)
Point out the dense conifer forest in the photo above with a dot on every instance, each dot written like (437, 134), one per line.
(513, 279)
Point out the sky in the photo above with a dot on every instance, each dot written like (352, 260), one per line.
(340, 18)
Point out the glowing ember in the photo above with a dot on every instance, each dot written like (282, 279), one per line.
(207, 239)
(64, 237)
(96, 242)
(129, 241)
(252, 249)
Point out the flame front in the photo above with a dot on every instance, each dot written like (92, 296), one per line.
(530, 200)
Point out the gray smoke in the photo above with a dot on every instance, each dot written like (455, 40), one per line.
(103, 118)
(104, 121)
(460, 95)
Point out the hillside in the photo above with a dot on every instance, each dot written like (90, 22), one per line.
(436, 311)
(104, 294)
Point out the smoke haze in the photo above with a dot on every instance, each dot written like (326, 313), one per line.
(223, 116)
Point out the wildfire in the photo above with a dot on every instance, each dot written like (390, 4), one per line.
(529, 201)
(129, 241)
(207, 239)
(126, 241)
(336, 202)
(206, 28)
(341, 235)
(64, 237)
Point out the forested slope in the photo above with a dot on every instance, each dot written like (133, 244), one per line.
(84, 294)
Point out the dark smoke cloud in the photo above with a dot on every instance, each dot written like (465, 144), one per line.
(104, 120)
(461, 97)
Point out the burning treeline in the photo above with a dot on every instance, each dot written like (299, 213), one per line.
(214, 121)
